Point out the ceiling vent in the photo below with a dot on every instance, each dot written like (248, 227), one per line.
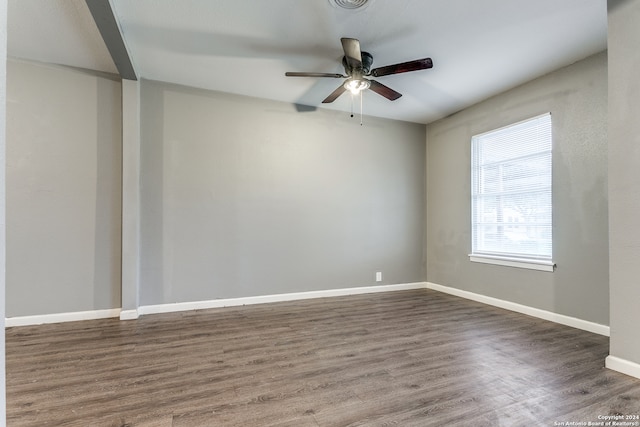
(349, 4)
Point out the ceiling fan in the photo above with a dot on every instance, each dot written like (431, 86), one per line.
(357, 66)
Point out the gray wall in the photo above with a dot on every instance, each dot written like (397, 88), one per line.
(576, 96)
(624, 177)
(3, 116)
(63, 190)
(246, 197)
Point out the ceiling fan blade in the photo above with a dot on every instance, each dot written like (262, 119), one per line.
(403, 67)
(383, 90)
(303, 74)
(352, 52)
(334, 95)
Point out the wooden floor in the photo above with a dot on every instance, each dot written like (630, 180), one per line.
(409, 358)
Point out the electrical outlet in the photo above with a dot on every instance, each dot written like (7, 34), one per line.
(379, 276)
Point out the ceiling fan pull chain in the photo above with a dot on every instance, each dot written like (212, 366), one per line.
(352, 105)
(360, 108)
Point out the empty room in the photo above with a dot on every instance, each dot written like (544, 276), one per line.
(319, 213)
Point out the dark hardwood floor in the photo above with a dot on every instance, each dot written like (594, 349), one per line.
(410, 358)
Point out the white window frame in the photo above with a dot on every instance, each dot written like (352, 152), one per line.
(535, 262)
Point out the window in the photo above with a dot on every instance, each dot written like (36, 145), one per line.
(511, 195)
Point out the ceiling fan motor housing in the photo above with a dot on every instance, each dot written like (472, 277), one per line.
(358, 72)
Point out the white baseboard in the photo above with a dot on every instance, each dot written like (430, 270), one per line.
(61, 317)
(530, 311)
(199, 305)
(623, 366)
(129, 315)
(231, 302)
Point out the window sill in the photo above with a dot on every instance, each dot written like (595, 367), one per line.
(513, 262)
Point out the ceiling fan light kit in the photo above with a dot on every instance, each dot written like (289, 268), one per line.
(355, 86)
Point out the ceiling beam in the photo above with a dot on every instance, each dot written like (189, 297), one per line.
(110, 31)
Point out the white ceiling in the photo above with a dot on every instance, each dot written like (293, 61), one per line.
(479, 48)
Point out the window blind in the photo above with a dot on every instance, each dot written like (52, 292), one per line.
(511, 191)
